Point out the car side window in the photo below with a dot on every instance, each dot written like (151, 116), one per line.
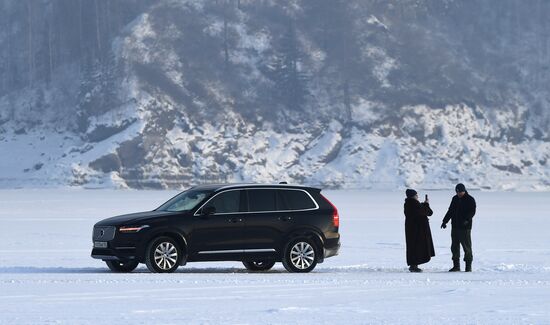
(261, 200)
(294, 200)
(226, 202)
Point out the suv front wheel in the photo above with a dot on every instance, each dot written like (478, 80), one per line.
(300, 255)
(122, 267)
(259, 265)
(163, 255)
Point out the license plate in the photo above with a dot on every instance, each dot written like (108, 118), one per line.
(100, 244)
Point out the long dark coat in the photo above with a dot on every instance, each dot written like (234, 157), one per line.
(420, 246)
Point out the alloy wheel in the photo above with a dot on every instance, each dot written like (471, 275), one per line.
(302, 255)
(259, 264)
(166, 255)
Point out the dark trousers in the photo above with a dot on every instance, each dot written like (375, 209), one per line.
(461, 237)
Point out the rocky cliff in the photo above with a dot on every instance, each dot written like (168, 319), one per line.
(350, 94)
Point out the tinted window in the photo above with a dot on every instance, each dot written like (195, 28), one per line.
(226, 202)
(261, 200)
(184, 201)
(294, 200)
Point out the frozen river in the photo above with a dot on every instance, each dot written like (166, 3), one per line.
(47, 275)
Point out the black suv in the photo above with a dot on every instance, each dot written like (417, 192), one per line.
(256, 224)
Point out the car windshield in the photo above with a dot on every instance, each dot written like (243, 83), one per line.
(184, 201)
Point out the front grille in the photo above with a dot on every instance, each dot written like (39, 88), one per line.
(104, 233)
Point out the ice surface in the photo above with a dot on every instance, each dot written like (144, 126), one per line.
(47, 276)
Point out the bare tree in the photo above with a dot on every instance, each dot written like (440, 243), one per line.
(225, 41)
(30, 41)
(97, 26)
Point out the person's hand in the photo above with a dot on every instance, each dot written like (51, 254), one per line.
(443, 225)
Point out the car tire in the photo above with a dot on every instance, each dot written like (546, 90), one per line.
(122, 267)
(163, 255)
(300, 255)
(259, 265)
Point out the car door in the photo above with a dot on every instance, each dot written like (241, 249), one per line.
(220, 235)
(265, 224)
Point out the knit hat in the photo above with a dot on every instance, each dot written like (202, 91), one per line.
(410, 193)
(460, 188)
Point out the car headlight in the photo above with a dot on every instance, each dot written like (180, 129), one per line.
(131, 229)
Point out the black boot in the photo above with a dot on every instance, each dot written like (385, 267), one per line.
(414, 269)
(456, 266)
(468, 266)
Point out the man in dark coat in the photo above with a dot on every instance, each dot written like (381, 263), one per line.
(420, 247)
(461, 211)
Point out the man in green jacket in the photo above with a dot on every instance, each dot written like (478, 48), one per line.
(461, 211)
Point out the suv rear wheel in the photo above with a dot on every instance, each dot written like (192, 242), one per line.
(259, 265)
(122, 267)
(300, 255)
(163, 255)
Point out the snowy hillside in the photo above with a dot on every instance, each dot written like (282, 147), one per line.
(343, 94)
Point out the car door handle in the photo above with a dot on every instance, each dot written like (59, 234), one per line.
(285, 218)
(235, 220)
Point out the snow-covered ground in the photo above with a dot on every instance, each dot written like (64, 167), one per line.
(47, 275)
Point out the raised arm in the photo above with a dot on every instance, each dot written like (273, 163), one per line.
(427, 210)
(422, 209)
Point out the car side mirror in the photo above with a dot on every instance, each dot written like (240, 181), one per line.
(208, 210)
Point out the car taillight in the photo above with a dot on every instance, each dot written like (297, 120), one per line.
(335, 216)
